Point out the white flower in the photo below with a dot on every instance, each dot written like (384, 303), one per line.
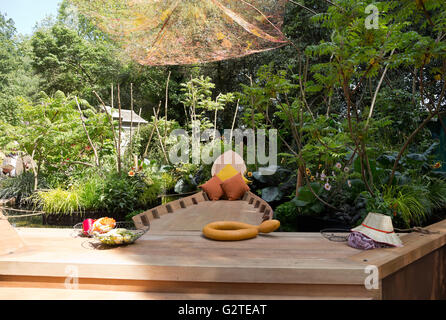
(323, 176)
(338, 165)
(349, 183)
(346, 169)
(327, 186)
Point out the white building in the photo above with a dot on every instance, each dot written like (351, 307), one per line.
(130, 122)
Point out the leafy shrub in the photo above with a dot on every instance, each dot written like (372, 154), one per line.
(437, 192)
(90, 192)
(408, 205)
(129, 216)
(120, 193)
(151, 188)
(287, 214)
(21, 188)
(59, 201)
(168, 182)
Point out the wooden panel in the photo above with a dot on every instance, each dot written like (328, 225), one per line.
(63, 294)
(199, 197)
(209, 288)
(195, 217)
(416, 245)
(139, 224)
(161, 210)
(187, 256)
(194, 212)
(149, 215)
(421, 280)
(187, 202)
(174, 205)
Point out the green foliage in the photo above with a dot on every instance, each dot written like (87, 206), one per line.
(287, 214)
(69, 63)
(306, 201)
(154, 150)
(409, 204)
(90, 190)
(21, 188)
(16, 77)
(197, 98)
(318, 97)
(129, 216)
(120, 193)
(52, 131)
(58, 201)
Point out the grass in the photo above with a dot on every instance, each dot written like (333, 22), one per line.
(59, 201)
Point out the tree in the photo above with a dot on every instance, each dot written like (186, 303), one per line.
(51, 132)
(16, 77)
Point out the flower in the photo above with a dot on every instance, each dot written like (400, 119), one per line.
(346, 169)
(349, 183)
(327, 186)
(323, 176)
(338, 165)
(320, 166)
(249, 174)
(437, 165)
(312, 178)
(333, 174)
(131, 173)
(308, 172)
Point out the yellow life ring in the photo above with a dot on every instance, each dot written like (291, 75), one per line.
(235, 231)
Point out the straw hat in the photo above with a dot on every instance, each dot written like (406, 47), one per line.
(379, 228)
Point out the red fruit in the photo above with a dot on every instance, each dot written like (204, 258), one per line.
(87, 225)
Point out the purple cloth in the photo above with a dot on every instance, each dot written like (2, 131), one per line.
(358, 240)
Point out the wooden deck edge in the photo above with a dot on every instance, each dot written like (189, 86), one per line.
(11, 294)
(197, 274)
(260, 204)
(416, 246)
(182, 290)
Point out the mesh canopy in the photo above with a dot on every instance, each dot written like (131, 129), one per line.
(172, 32)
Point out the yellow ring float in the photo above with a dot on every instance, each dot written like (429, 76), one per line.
(235, 231)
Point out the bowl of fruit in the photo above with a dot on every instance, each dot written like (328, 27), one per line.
(109, 232)
(118, 236)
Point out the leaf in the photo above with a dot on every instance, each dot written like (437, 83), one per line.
(271, 194)
(299, 203)
(417, 157)
(317, 207)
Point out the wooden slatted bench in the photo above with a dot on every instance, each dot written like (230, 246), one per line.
(194, 212)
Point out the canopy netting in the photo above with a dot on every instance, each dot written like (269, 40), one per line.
(172, 32)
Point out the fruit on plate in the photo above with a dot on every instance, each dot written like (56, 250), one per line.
(118, 236)
(103, 225)
(87, 226)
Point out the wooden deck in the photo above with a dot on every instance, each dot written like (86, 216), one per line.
(183, 265)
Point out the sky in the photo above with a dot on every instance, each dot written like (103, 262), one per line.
(26, 13)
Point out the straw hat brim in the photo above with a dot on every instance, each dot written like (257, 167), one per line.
(391, 239)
